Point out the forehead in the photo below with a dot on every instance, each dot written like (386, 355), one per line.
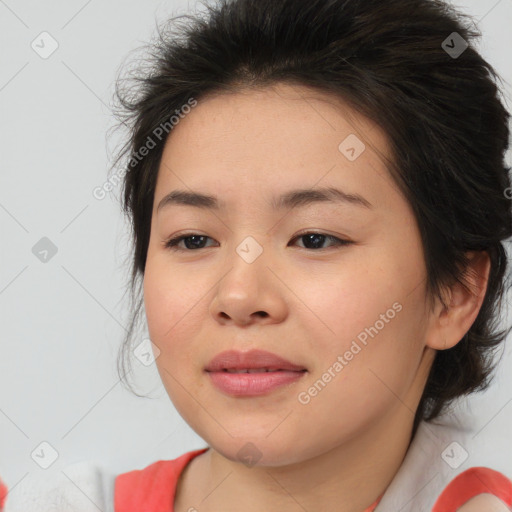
(273, 138)
(264, 111)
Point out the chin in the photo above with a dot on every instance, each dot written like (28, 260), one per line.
(255, 452)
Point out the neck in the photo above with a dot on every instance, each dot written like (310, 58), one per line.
(348, 478)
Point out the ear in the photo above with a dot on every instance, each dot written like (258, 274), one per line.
(447, 326)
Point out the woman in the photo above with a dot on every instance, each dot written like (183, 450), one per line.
(315, 373)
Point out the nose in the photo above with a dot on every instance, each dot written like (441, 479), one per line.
(249, 292)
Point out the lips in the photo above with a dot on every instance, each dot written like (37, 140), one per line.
(252, 374)
(254, 361)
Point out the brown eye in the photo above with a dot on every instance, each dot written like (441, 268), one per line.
(313, 240)
(192, 242)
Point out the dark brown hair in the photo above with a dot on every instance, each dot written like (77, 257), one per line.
(408, 65)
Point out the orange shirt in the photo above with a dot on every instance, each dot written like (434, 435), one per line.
(3, 494)
(153, 489)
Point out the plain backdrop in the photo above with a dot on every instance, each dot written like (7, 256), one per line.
(62, 320)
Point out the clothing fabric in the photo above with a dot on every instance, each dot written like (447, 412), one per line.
(79, 487)
(154, 487)
(436, 475)
(3, 494)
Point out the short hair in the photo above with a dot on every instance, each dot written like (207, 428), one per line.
(411, 67)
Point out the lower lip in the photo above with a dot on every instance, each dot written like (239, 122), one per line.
(253, 384)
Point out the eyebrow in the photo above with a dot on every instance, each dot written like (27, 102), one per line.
(292, 199)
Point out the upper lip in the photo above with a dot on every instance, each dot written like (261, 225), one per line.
(236, 360)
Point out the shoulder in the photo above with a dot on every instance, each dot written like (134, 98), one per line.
(3, 494)
(167, 470)
(79, 487)
(88, 487)
(476, 489)
(484, 503)
(151, 486)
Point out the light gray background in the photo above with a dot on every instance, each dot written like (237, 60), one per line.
(62, 321)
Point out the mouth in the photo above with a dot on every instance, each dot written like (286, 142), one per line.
(253, 361)
(256, 370)
(252, 373)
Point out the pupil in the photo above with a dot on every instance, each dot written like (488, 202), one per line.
(190, 239)
(315, 238)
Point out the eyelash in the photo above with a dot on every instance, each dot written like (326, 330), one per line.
(172, 243)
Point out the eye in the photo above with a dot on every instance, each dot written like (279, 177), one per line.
(313, 239)
(195, 241)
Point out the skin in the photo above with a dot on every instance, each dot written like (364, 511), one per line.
(484, 503)
(341, 450)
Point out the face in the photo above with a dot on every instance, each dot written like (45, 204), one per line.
(334, 286)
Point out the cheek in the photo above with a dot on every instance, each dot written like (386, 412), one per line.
(158, 302)
(169, 299)
(171, 319)
(374, 366)
(370, 318)
(344, 304)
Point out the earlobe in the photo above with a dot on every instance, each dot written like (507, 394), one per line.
(450, 324)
